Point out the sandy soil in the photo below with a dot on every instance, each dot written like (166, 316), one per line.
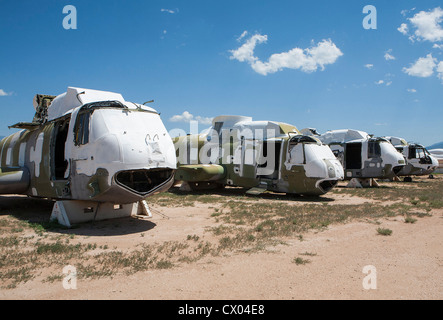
(408, 263)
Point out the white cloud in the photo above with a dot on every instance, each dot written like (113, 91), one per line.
(246, 51)
(440, 70)
(437, 46)
(403, 28)
(423, 67)
(404, 12)
(188, 117)
(369, 66)
(203, 120)
(388, 55)
(307, 60)
(387, 81)
(427, 24)
(184, 117)
(169, 11)
(244, 34)
(412, 90)
(4, 94)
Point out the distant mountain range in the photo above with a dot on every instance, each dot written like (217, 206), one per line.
(438, 145)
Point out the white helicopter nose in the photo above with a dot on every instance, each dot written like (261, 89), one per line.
(434, 161)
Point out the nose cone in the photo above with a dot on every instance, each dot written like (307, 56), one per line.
(147, 166)
(339, 171)
(326, 172)
(131, 167)
(434, 161)
(394, 158)
(431, 166)
(148, 149)
(393, 161)
(128, 186)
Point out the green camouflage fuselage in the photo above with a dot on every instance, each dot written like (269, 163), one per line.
(66, 159)
(279, 172)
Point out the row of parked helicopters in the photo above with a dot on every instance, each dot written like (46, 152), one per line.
(99, 156)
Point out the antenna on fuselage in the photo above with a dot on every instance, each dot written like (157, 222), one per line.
(80, 94)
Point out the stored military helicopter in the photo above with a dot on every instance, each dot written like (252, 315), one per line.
(363, 156)
(438, 154)
(418, 160)
(96, 154)
(259, 155)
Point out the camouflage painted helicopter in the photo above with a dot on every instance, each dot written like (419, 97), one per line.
(259, 155)
(96, 154)
(363, 156)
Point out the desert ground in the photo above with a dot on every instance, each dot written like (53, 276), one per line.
(224, 244)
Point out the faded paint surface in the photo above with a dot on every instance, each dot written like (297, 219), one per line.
(263, 154)
(418, 160)
(363, 162)
(124, 156)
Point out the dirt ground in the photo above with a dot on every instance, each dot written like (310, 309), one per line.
(408, 263)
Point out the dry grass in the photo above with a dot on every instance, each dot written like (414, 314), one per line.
(238, 223)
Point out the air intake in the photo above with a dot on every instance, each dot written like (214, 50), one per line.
(143, 181)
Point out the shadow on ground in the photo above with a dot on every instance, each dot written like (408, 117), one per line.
(241, 192)
(38, 211)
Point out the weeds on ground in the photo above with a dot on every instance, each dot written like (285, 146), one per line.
(384, 231)
(239, 222)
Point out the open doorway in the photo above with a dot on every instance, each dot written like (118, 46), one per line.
(59, 163)
(353, 156)
(272, 155)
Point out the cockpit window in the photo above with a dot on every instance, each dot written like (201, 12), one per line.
(218, 126)
(104, 104)
(420, 153)
(417, 152)
(374, 150)
(296, 148)
(300, 139)
(81, 128)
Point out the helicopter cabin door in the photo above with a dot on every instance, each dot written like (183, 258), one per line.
(59, 163)
(268, 164)
(353, 155)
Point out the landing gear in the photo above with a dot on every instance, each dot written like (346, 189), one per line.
(69, 212)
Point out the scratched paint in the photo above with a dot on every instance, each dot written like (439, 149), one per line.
(349, 144)
(97, 159)
(418, 160)
(36, 154)
(265, 154)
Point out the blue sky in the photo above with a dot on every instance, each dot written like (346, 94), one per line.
(185, 56)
